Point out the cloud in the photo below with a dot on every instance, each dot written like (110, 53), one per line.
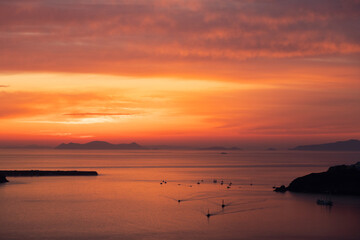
(80, 121)
(4, 86)
(225, 111)
(286, 110)
(48, 133)
(85, 136)
(157, 37)
(20, 104)
(97, 114)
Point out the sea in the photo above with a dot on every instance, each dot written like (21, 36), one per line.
(171, 194)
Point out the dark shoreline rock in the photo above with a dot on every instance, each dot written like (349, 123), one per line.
(3, 179)
(37, 173)
(282, 189)
(339, 180)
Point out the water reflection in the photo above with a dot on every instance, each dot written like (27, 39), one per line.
(129, 203)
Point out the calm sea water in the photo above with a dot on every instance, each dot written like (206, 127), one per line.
(127, 201)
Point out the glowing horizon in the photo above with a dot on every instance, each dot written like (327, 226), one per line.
(203, 72)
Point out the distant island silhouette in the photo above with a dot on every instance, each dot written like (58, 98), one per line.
(350, 145)
(341, 180)
(99, 145)
(134, 146)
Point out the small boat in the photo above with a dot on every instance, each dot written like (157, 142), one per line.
(208, 214)
(223, 204)
(324, 202)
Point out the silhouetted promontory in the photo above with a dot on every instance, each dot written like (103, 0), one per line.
(38, 173)
(3, 179)
(350, 145)
(99, 145)
(342, 180)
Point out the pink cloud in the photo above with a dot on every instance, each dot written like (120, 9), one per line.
(139, 37)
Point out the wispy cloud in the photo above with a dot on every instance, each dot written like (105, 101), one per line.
(50, 133)
(97, 114)
(54, 134)
(157, 37)
(246, 67)
(24, 104)
(73, 122)
(85, 136)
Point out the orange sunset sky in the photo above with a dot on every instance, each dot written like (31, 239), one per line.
(202, 72)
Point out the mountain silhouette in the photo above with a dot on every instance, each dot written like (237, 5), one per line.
(99, 145)
(350, 145)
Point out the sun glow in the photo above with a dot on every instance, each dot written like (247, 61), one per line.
(167, 70)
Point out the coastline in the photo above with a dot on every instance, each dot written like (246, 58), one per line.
(36, 173)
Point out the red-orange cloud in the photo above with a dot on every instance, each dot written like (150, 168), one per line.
(156, 37)
(300, 57)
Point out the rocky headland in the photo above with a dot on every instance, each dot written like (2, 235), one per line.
(3, 179)
(339, 180)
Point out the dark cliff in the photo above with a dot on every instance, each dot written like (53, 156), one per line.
(342, 180)
(3, 179)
